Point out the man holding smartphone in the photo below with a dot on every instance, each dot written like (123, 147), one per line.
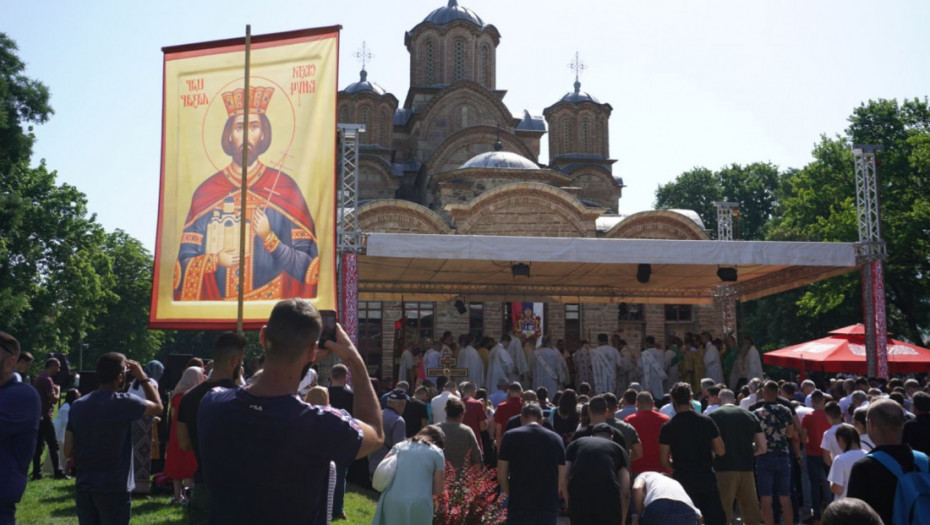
(265, 453)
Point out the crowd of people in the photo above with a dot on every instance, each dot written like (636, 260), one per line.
(603, 434)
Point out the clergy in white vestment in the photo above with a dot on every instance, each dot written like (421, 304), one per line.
(470, 359)
(500, 365)
(753, 360)
(652, 366)
(605, 363)
(582, 361)
(407, 362)
(515, 349)
(672, 357)
(712, 366)
(431, 358)
(529, 347)
(629, 365)
(549, 369)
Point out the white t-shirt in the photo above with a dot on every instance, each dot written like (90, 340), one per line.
(659, 486)
(829, 442)
(138, 391)
(842, 465)
(866, 443)
(803, 412)
(669, 408)
(438, 406)
(711, 408)
(844, 408)
(748, 401)
(308, 382)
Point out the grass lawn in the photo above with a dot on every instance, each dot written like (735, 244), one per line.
(51, 502)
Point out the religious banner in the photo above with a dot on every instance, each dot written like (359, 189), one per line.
(290, 207)
(528, 319)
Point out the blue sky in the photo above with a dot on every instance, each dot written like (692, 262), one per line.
(691, 82)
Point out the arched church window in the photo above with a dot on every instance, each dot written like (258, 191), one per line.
(364, 122)
(345, 114)
(565, 143)
(459, 60)
(604, 136)
(429, 63)
(586, 135)
(485, 66)
(385, 123)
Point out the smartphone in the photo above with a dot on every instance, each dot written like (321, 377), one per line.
(329, 327)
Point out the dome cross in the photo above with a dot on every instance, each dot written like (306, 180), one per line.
(578, 67)
(364, 55)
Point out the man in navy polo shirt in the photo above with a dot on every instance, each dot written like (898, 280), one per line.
(99, 439)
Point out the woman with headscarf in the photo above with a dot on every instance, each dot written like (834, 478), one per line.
(142, 432)
(180, 465)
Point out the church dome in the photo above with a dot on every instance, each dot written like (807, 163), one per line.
(500, 160)
(451, 13)
(364, 85)
(579, 96)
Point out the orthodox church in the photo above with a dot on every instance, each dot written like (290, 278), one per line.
(454, 159)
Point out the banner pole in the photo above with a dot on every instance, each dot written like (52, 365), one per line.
(245, 174)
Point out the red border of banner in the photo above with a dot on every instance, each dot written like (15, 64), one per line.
(212, 48)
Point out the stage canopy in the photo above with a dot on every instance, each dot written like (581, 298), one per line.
(420, 267)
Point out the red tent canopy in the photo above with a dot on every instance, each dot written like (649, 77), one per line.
(844, 351)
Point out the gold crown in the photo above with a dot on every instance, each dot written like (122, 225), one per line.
(259, 97)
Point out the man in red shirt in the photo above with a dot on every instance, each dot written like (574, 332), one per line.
(647, 423)
(814, 425)
(476, 417)
(507, 410)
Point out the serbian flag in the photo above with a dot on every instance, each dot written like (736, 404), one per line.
(528, 319)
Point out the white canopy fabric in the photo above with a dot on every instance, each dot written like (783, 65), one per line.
(419, 267)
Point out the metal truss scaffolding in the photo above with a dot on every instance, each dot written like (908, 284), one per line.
(349, 236)
(726, 296)
(870, 252)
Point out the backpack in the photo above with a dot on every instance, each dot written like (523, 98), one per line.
(912, 494)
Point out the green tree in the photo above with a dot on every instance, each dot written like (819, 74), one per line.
(53, 275)
(819, 205)
(752, 186)
(696, 190)
(123, 325)
(23, 101)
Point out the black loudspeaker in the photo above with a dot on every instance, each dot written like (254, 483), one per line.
(88, 382)
(174, 368)
(460, 306)
(727, 275)
(63, 378)
(643, 272)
